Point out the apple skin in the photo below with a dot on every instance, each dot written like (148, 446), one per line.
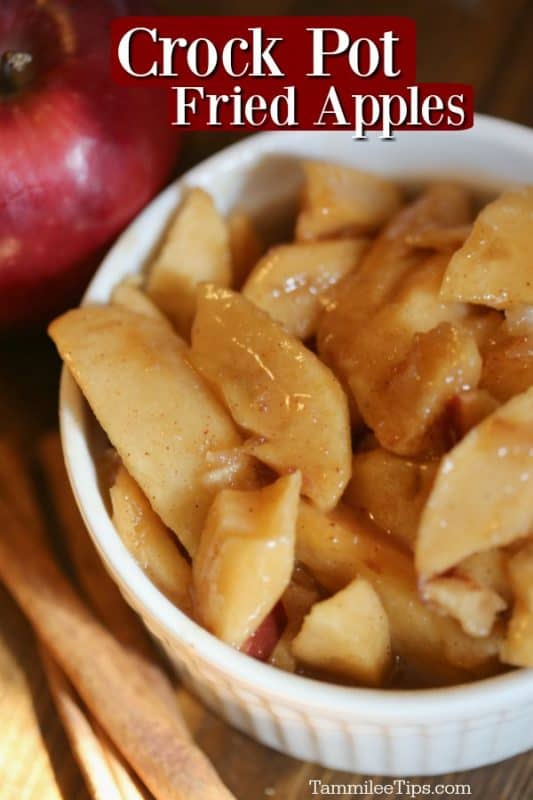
(79, 155)
(263, 640)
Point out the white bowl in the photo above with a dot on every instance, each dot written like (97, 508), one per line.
(364, 730)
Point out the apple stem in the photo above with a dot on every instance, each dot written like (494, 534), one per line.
(16, 71)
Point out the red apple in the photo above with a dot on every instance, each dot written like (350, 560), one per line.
(79, 155)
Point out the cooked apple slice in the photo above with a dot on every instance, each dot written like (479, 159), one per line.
(296, 602)
(348, 635)
(245, 558)
(340, 546)
(468, 409)
(519, 320)
(508, 366)
(474, 607)
(196, 248)
(409, 359)
(494, 266)
(245, 246)
(405, 405)
(159, 414)
(129, 295)
(277, 390)
(517, 648)
(487, 569)
(231, 468)
(281, 656)
(482, 496)
(439, 238)
(391, 490)
(149, 541)
(485, 324)
(341, 200)
(417, 297)
(291, 280)
(388, 261)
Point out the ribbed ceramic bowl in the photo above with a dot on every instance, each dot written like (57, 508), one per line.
(372, 731)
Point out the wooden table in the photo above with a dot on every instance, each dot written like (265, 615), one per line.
(484, 42)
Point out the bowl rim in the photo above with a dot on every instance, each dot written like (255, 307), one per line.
(395, 705)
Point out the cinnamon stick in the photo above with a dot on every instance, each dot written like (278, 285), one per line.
(106, 775)
(110, 683)
(101, 593)
(92, 749)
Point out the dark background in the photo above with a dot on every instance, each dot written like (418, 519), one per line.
(488, 43)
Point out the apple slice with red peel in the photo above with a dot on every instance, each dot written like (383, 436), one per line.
(262, 642)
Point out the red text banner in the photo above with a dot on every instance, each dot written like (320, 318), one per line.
(346, 73)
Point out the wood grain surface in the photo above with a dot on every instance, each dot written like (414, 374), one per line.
(488, 43)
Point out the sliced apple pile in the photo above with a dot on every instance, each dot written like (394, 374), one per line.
(342, 441)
